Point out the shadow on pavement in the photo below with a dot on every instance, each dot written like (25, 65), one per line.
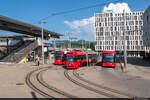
(138, 61)
(64, 66)
(34, 96)
(99, 63)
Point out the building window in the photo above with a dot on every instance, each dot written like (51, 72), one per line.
(101, 29)
(147, 19)
(136, 28)
(135, 17)
(136, 22)
(111, 28)
(99, 24)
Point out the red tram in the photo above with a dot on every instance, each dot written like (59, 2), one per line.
(60, 58)
(74, 59)
(108, 58)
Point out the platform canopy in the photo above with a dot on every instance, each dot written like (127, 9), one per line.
(12, 25)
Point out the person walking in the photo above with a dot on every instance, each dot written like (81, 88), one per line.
(37, 60)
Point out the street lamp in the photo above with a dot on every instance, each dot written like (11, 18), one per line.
(89, 45)
(49, 35)
(83, 44)
(42, 22)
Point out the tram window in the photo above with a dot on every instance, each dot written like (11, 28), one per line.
(58, 57)
(70, 59)
(78, 58)
(64, 57)
(58, 52)
(108, 54)
(109, 59)
(84, 57)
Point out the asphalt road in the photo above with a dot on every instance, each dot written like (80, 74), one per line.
(131, 82)
(140, 64)
(134, 84)
(121, 81)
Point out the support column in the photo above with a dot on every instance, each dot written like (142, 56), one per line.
(7, 45)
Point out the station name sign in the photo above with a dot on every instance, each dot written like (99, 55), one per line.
(48, 44)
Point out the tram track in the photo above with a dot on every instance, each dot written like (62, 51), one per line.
(100, 86)
(33, 87)
(35, 81)
(107, 92)
(40, 79)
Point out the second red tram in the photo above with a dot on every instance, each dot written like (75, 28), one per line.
(74, 59)
(109, 58)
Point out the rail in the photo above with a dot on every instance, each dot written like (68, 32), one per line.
(100, 86)
(95, 87)
(41, 87)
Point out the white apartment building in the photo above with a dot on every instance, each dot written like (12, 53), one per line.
(146, 28)
(109, 32)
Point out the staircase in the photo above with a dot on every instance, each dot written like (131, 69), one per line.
(1, 54)
(4, 52)
(17, 55)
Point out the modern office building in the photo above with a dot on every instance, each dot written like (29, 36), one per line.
(146, 27)
(109, 32)
(146, 30)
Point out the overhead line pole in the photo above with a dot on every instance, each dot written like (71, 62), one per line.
(125, 46)
(89, 45)
(69, 44)
(42, 22)
(82, 44)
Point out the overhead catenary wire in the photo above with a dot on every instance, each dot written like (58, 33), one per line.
(79, 9)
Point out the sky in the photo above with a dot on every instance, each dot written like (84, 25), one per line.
(79, 23)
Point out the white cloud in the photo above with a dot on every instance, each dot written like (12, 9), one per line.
(84, 25)
(117, 8)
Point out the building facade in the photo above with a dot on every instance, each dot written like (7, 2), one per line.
(109, 32)
(146, 27)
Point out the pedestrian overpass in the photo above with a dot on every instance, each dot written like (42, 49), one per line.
(25, 46)
(12, 25)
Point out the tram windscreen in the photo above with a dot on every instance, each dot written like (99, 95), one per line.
(58, 53)
(58, 57)
(108, 58)
(70, 58)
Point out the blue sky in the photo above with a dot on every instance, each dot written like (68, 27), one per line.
(31, 11)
